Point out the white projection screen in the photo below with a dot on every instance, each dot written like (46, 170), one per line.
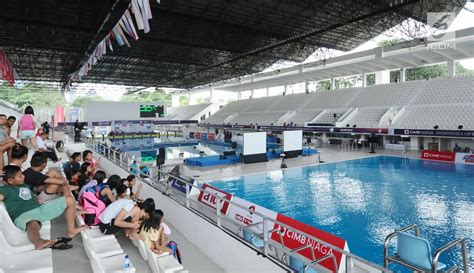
(255, 143)
(292, 140)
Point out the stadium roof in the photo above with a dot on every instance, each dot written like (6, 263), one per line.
(192, 43)
(456, 45)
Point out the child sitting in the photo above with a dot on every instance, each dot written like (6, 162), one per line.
(48, 186)
(154, 233)
(88, 158)
(73, 165)
(130, 182)
(19, 156)
(103, 191)
(27, 214)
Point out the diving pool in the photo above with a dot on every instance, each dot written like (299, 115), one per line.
(363, 200)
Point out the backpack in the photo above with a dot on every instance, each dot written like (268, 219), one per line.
(60, 146)
(94, 208)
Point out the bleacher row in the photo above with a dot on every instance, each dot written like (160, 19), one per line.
(185, 112)
(106, 255)
(103, 251)
(423, 104)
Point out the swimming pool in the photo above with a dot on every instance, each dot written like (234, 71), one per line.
(363, 200)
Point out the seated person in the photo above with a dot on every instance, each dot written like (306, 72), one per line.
(124, 213)
(130, 182)
(27, 215)
(87, 157)
(144, 172)
(47, 186)
(154, 233)
(83, 176)
(19, 156)
(6, 142)
(72, 166)
(104, 191)
(49, 153)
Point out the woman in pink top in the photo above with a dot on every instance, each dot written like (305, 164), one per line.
(26, 128)
(94, 163)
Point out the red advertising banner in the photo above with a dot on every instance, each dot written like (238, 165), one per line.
(59, 115)
(209, 198)
(197, 135)
(294, 240)
(440, 156)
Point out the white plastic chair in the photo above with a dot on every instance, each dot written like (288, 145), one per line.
(110, 264)
(152, 260)
(93, 233)
(103, 248)
(141, 249)
(164, 264)
(38, 262)
(16, 240)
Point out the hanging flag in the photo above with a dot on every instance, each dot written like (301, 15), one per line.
(6, 69)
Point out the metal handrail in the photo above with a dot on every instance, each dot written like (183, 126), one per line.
(94, 145)
(439, 251)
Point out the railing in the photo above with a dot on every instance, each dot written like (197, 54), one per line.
(438, 252)
(276, 251)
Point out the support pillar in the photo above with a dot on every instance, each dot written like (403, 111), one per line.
(268, 91)
(211, 94)
(333, 83)
(252, 93)
(364, 80)
(239, 95)
(403, 75)
(451, 68)
(306, 87)
(285, 92)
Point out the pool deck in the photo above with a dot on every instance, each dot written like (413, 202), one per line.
(328, 154)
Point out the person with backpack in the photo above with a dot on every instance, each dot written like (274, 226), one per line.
(154, 233)
(125, 214)
(103, 191)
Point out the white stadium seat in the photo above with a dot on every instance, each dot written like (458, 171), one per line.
(111, 264)
(104, 248)
(164, 264)
(38, 261)
(446, 102)
(13, 238)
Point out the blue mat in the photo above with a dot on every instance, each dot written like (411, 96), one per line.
(215, 160)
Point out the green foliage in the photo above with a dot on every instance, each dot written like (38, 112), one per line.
(81, 101)
(183, 100)
(203, 100)
(390, 42)
(34, 94)
(323, 85)
(145, 96)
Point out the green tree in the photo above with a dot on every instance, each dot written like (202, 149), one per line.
(323, 85)
(82, 100)
(146, 96)
(183, 100)
(34, 94)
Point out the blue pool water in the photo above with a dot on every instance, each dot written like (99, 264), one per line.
(364, 200)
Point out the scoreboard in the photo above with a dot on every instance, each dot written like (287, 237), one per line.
(152, 111)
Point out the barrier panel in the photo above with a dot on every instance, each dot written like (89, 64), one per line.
(440, 156)
(464, 158)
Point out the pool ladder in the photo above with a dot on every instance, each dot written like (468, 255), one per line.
(434, 260)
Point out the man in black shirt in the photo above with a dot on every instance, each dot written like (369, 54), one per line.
(47, 186)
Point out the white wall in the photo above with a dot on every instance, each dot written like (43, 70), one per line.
(106, 111)
(292, 140)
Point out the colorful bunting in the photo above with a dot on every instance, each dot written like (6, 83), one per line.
(141, 11)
